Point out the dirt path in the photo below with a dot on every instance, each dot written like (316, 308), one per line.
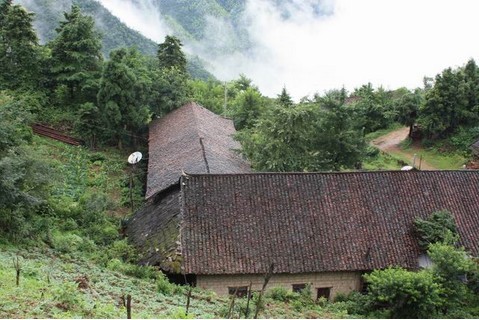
(389, 143)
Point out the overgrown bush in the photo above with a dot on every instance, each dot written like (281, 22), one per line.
(122, 250)
(450, 269)
(405, 294)
(371, 151)
(68, 297)
(439, 227)
(129, 269)
(282, 294)
(464, 137)
(355, 303)
(166, 287)
(180, 313)
(66, 242)
(305, 299)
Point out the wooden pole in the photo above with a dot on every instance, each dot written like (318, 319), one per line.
(131, 187)
(18, 268)
(188, 297)
(268, 276)
(232, 304)
(246, 313)
(128, 306)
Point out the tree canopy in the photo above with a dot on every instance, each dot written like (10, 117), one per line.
(170, 54)
(76, 58)
(309, 137)
(123, 95)
(19, 49)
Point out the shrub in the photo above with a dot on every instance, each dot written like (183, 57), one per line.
(68, 297)
(93, 205)
(122, 250)
(141, 272)
(304, 299)
(372, 152)
(103, 234)
(464, 137)
(180, 313)
(163, 286)
(282, 294)
(65, 207)
(427, 143)
(439, 227)
(355, 303)
(405, 294)
(450, 267)
(66, 242)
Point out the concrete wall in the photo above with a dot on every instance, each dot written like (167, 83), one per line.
(339, 282)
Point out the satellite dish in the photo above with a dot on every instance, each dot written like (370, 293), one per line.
(407, 168)
(135, 157)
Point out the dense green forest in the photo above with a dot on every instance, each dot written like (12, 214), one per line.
(70, 202)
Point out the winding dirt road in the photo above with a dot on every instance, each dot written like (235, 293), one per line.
(389, 143)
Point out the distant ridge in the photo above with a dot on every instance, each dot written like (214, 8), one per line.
(115, 33)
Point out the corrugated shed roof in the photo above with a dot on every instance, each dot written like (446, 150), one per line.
(191, 139)
(315, 222)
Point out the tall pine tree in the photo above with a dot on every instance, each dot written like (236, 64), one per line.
(19, 49)
(123, 95)
(171, 87)
(284, 99)
(76, 58)
(170, 54)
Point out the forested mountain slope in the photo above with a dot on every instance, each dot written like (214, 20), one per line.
(115, 34)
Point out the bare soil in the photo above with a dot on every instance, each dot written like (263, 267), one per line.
(389, 143)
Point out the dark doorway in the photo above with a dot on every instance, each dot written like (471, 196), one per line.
(182, 279)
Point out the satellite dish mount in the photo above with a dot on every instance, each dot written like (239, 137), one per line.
(133, 159)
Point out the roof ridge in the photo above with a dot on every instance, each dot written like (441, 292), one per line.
(329, 172)
(195, 109)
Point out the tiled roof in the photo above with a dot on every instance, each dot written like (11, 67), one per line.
(314, 222)
(191, 139)
(154, 229)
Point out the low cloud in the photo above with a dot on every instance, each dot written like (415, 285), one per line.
(312, 46)
(143, 16)
(389, 43)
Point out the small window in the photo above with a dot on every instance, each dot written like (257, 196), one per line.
(239, 291)
(299, 287)
(363, 284)
(324, 293)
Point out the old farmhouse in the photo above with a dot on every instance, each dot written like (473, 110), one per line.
(223, 230)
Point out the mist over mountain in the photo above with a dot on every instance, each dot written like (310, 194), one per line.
(115, 33)
(234, 37)
(225, 37)
(308, 46)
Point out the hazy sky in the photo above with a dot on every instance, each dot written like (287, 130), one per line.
(392, 43)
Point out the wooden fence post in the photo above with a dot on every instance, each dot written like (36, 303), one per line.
(232, 304)
(128, 306)
(265, 283)
(188, 297)
(18, 268)
(246, 313)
